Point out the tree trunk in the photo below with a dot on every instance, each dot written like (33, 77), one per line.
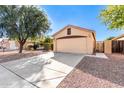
(20, 48)
(21, 43)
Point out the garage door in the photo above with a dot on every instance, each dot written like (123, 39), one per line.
(72, 45)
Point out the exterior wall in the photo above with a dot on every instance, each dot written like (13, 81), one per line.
(108, 46)
(90, 44)
(89, 41)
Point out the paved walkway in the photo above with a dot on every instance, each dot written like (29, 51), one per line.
(38, 71)
(99, 55)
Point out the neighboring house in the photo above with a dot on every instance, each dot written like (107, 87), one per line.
(74, 39)
(8, 44)
(116, 45)
(121, 37)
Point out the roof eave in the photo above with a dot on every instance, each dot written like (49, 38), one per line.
(76, 27)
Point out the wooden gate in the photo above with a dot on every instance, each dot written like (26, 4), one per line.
(118, 47)
(100, 46)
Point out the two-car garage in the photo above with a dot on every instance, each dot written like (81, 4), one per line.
(75, 44)
(73, 39)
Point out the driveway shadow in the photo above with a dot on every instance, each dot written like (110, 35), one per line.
(68, 58)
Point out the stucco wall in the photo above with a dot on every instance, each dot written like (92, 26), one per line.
(108, 46)
(90, 44)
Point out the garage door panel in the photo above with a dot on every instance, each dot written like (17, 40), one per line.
(72, 45)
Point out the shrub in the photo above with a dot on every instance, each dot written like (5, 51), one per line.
(48, 46)
(36, 45)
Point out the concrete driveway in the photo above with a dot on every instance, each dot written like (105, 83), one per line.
(36, 72)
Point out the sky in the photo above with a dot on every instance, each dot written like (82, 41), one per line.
(85, 16)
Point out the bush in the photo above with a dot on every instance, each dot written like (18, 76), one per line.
(29, 47)
(36, 45)
(48, 46)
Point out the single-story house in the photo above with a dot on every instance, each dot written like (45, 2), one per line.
(115, 45)
(74, 39)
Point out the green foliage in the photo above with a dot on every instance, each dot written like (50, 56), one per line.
(23, 22)
(110, 38)
(113, 17)
(48, 40)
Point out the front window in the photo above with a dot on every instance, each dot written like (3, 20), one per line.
(69, 31)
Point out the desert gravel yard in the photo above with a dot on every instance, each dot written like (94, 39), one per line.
(94, 72)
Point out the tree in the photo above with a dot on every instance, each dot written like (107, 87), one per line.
(1, 35)
(113, 17)
(23, 22)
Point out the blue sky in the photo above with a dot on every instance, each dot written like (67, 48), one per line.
(85, 16)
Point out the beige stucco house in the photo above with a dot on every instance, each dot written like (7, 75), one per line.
(74, 39)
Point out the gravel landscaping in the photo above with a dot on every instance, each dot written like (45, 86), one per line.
(94, 72)
(14, 55)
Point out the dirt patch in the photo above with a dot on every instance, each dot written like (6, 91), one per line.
(96, 73)
(14, 55)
